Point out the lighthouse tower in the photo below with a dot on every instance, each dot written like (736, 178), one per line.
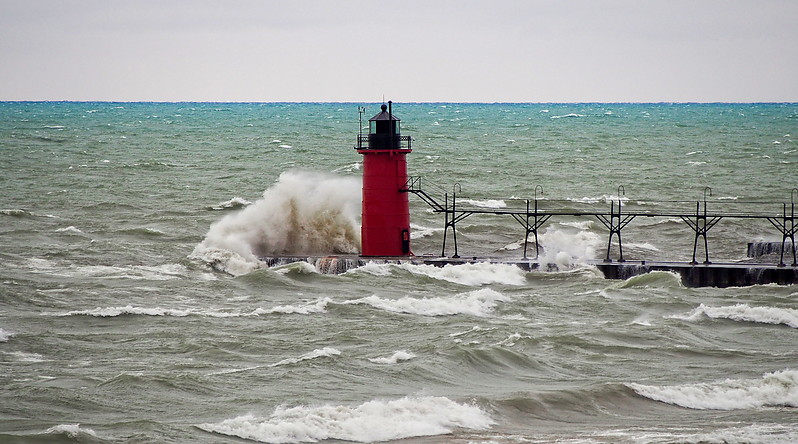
(385, 229)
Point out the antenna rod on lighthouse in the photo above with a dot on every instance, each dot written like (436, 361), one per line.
(391, 129)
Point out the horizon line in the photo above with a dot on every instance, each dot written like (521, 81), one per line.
(664, 102)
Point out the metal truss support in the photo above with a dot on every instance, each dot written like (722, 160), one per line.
(524, 220)
(615, 223)
(701, 225)
(788, 229)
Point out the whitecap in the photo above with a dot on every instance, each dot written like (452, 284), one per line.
(579, 225)
(69, 229)
(318, 353)
(300, 267)
(318, 306)
(108, 312)
(371, 421)
(566, 116)
(743, 312)
(642, 246)
(511, 340)
(489, 203)
(26, 357)
(473, 329)
(672, 220)
(398, 356)
(512, 246)
(470, 274)
(418, 232)
(478, 303)
(15, 212)
(71, 431)
(352, 167)
(476, 274)
(134, 272)
(606, 198)
(5, 335)
(746, 434)
(236, 202)
(777, 389)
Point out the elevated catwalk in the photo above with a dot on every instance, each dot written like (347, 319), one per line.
(693, 275)
(782, 268)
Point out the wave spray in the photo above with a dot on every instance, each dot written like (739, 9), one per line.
(303, 213)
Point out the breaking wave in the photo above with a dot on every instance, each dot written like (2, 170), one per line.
(317, 306)
(778, 389)
(318, 353)
(303, 213)
(472, 275)
(71, 431)
(369, 422)
(746, 313)
(478, 303)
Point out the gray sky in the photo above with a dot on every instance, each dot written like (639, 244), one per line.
(406, 50)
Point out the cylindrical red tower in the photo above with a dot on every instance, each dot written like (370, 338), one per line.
(385, 229)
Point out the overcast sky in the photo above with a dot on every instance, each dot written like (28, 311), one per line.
(405, 50)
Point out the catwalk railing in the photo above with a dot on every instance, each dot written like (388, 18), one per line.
(533, 214)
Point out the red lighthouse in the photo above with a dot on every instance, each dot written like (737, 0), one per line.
(385, 229)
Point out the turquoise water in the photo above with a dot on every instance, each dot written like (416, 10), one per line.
(116, 328)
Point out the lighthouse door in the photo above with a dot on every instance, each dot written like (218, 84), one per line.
(405, 242)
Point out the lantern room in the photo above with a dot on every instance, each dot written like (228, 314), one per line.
(384, 132)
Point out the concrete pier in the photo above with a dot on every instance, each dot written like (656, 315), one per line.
(706, 275)
(692, 275)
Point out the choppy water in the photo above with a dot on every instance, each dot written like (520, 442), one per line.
(114, 328)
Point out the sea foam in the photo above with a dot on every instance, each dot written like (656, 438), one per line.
(369, 422)
(303, 213)
(778, 389)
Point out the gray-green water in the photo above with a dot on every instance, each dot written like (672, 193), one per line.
(114, 328)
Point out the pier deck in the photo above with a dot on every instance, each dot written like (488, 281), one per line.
(692, 275)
